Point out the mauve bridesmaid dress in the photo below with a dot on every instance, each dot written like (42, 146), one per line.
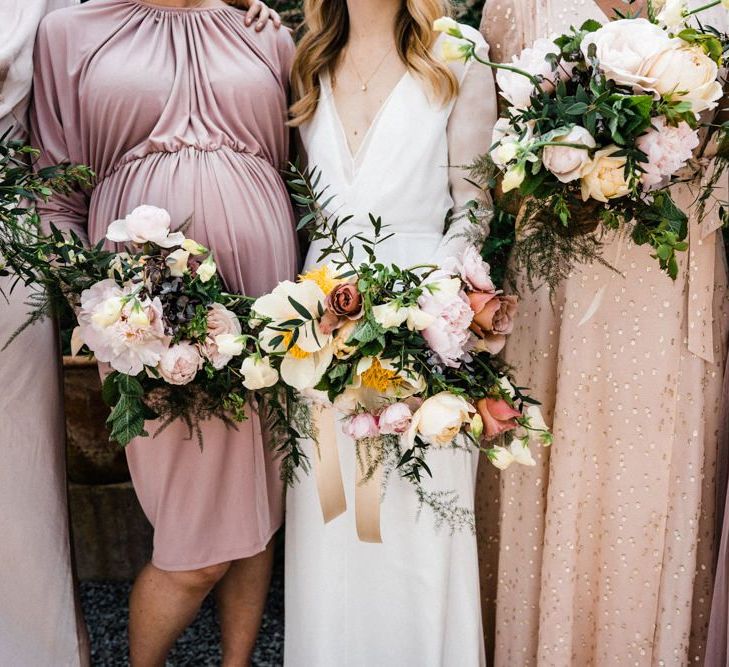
(182, 108)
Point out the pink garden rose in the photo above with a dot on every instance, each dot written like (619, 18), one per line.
(475, 272)
(220, 321)
(448, 335)
(567, 162)
(363, 425)
(668, 149)
(395, 419)
(126, 333)
(497, 415)
(180, 363)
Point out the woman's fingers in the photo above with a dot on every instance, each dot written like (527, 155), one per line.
(260, 13)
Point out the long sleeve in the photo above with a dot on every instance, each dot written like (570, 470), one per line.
(470, 128)
(53, 111)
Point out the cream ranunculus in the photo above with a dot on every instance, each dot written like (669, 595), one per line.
(258, 373)
(687, 73)
(440, 419)
(567, 162)
(623, 47)
(604, 177)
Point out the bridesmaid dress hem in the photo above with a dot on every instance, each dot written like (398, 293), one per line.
(243, 552)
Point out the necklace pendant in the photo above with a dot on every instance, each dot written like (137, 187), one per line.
(364, 87)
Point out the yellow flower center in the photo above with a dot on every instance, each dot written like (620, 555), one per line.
(323, 277)
(378, 378)
(295, 351)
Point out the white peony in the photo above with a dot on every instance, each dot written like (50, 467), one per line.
(440, 419)
(624, 47)
(567, 162)
(258, 373)
(145, 224)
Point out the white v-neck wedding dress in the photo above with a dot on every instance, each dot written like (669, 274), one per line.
(414, 598)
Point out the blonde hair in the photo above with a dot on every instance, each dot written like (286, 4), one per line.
(327, 32)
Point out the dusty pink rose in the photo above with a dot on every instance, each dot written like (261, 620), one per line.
(498, 416)
(395, 419)
(180, 363)
(128, 334)
(363, 425)
(448, 336)
(345, 301)
(475, 272)
(493, 313)
(668, 149)
(220, 321)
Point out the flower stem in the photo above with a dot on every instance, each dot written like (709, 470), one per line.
(703, 8)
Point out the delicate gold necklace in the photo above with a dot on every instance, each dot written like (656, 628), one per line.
(363, 83)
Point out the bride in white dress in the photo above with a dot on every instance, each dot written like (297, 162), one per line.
(390, 125)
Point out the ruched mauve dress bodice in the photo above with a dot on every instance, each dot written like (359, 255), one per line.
(182, 108)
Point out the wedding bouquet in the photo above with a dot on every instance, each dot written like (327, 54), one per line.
(600, 122)
(177, 345)
(405, 354)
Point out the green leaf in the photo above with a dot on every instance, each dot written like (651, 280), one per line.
(109, 390)
(300, 308)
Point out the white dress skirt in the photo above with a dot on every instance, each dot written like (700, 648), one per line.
(414, 598)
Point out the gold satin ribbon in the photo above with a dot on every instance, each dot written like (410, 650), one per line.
(328, 472)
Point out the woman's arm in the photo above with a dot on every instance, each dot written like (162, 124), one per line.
(469, 136)
(49, 127)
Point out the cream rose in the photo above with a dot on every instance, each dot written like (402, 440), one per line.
(604, 178)
(440, 419)
(567, 162)
(688, 74)
(623, 47)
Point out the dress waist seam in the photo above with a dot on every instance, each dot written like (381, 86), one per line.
(130, 160)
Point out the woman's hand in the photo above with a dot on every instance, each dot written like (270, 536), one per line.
(258, 12)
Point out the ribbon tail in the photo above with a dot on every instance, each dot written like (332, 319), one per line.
(367, 502)
(327, 467)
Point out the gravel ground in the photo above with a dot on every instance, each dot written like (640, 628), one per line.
(106, 611)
